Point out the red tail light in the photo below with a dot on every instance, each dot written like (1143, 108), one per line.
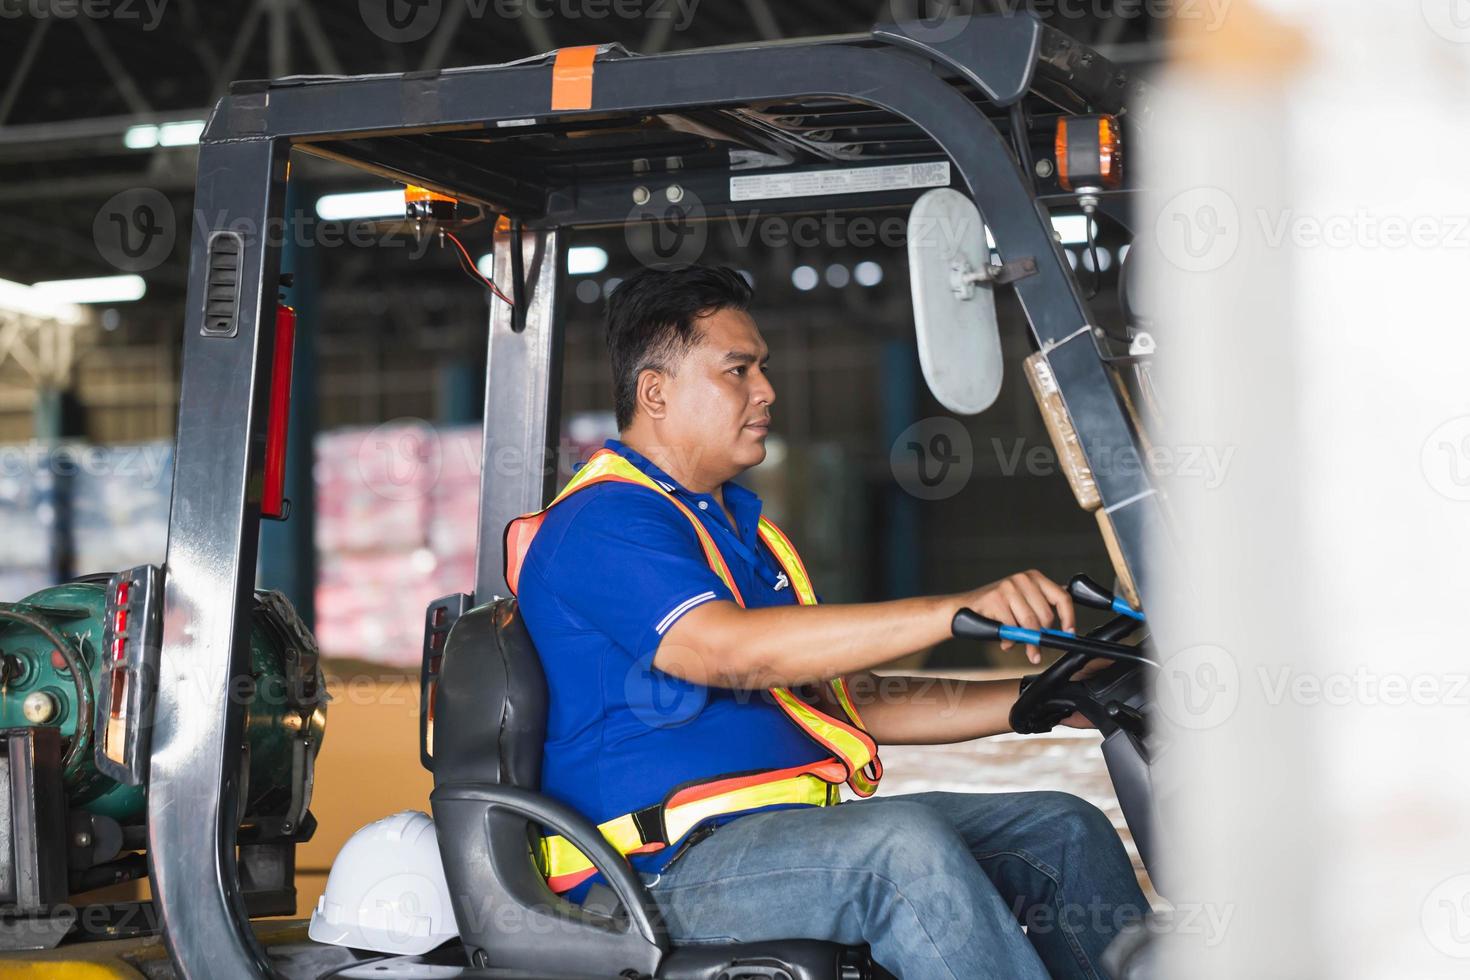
(273, 495)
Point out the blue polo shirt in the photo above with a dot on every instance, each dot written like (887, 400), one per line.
(611, 570)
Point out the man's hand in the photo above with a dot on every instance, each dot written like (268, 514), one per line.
(1027, 599)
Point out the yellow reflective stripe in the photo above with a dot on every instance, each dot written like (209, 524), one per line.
(605, 463)
(791, 564)
(839, 688)
(807, 790)
(560, 857)
(852, 750)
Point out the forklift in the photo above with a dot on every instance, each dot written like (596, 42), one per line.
(162, 722)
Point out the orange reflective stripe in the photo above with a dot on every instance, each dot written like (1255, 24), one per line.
(518, 536)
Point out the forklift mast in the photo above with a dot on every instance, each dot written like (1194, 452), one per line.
(497, 136)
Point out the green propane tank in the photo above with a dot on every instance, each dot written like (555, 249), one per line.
(285, 694)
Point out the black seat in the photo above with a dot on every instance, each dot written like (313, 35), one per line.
(489, 725)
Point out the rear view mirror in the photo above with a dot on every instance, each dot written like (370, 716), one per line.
(954, 301)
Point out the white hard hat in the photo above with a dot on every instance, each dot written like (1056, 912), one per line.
(386, 891)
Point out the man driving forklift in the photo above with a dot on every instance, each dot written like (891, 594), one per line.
(705, 710)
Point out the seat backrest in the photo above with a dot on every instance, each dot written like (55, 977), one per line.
(490, 705)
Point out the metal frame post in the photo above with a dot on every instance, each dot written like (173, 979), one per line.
(213, 536)
(522, 424)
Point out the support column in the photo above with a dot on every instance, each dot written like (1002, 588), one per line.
(522, 398)
(214, 524)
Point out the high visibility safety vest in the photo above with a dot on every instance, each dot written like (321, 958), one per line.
(854, 755)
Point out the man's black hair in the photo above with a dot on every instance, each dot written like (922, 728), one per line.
(651, 321)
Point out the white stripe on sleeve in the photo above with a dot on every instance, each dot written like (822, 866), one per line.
(681, 609)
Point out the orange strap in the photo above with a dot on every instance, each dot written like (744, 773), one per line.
(571, 78)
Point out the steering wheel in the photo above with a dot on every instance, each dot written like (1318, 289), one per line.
(1051, 696)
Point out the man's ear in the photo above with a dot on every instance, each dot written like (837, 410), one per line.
(649, 393)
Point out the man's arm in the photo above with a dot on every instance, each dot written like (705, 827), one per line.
(901, 710)
(719, 644)
(904, 710)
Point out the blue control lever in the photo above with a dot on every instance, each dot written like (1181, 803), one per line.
(1089, 593)
(970, 625)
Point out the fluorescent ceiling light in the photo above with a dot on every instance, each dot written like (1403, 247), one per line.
(364, 204)
(180, 133)
(141, 137)
(100, 289)
(26, 300)
(585, 260)
(185, 132)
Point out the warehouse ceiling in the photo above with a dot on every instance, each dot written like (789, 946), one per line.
(81, 73)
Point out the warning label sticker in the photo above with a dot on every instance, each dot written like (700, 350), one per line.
(858, 180)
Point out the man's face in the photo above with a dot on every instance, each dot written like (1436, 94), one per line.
(719, 397)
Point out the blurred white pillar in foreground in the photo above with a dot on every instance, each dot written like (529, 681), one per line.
(1308, 251)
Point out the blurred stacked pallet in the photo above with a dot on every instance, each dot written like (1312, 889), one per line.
(27, 526)
(119, 504)
(395, 529)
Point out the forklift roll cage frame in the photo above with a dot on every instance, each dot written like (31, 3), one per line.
(938, 95)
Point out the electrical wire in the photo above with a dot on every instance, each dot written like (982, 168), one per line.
(468, 265)
(1092, 252)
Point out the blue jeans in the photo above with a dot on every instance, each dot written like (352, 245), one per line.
(938, 884)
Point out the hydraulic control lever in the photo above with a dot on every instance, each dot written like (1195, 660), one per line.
(1089, 593)
(970, 625)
